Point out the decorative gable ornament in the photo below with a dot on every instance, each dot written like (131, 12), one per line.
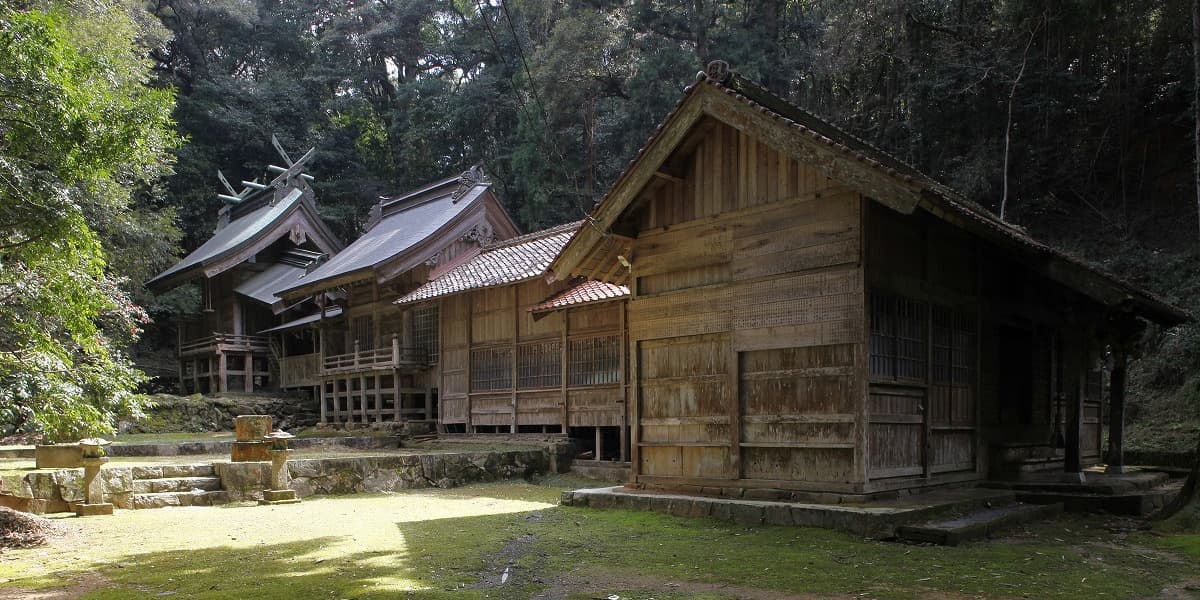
(469, 179)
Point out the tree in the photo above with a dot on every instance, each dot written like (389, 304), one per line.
(80, 134)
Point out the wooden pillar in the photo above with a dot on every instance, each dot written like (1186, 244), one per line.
(599, 443)
(1116, 417)
(623, 377)
(178, 347)
(563, 358)
(222, 375)
(395, 390)
(362, 397)
(378, 398)
(321, 397)
(248, 375)
(1073, 357)
(512, 428)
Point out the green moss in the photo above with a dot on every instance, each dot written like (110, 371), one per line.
(457, 543)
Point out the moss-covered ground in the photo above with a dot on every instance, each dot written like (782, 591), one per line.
(511, 540)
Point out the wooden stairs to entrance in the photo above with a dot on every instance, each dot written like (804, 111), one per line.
(176, 485)
(978, 524)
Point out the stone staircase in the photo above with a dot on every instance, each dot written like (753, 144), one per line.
(176, 485)
(1138, 493)
(979, 524)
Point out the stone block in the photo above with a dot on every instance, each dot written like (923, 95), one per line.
(251, 428)
(779, 514)
(93, 510)
(147, 472)
(747, 514)
(251, 451)
(58, 456)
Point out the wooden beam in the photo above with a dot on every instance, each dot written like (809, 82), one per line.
(629, 186)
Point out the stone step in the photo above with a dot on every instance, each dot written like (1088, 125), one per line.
(977, 525)
(1139, 502)
(174, 471)
(165, 499)
(176, 484)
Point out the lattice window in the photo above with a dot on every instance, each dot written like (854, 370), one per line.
(594, 361)
(539, 365)
(953, 347)
(362, 329)
(425, 330)
(491, 369)
(898, 336)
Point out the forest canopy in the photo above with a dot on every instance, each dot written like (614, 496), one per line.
(1073, 117)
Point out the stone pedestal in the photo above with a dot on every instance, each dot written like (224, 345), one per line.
(93, 490)
(279, 492)
(57, 456)
(251, 444)
(250, 451)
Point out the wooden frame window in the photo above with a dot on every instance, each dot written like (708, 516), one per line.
(953, 347)
(899, 328)
(491, 369)
(425, 331)
(539, 365)
(362, 329)
(594, 361)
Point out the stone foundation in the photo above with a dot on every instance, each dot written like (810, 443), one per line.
(60, 491)
(331, 476)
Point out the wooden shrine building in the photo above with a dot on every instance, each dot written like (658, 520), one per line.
(267, 236)
(809, 314)
(366, 359)
(520, 355)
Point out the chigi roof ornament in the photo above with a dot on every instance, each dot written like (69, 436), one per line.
(469, 179)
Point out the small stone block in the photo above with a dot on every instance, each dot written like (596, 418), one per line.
(251, 451)
(93, 510)
(277, 495)
(251, 428)
(274, 502)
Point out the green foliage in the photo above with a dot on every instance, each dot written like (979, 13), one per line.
(80, 131)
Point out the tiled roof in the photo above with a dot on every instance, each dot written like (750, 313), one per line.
(517, 259)
(587, 292)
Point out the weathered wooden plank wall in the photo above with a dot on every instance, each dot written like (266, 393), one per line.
(748, 321)
(532, 382)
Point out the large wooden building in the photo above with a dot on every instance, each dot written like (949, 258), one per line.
(267, 236)
(365, 359)
(808, 314)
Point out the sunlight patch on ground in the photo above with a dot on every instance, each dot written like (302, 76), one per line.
(318, 538)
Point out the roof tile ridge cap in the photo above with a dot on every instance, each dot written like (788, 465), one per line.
(534, 236)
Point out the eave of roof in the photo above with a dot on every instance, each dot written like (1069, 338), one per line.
(935, 197)
(231, 239)
(584, 293)
(503, 263)
(262, 286)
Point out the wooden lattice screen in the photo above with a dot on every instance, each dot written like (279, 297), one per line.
(898, 337)
(362, 330)
(425, 330)
(491, 369)
(539, 365)
(594, 361)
